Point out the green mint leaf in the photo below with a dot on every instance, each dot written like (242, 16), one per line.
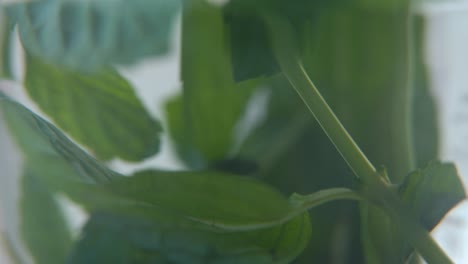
(431, 192)
(48, 150)
(86, 35)
(99, 110)
(213, 199)
(202, 121)
(217, 199)
(43, 226)
(124, 239)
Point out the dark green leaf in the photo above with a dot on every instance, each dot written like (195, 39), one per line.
(121, 239)
(99, 110)
(203, 121)
(48, 150)
(86, 35)
(431, 192)
(43, 226)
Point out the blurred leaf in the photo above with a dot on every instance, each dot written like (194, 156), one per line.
(99, 110)
(123, 239)
(431, 192)
(203, 121)
(217, 199)
(425, 117)
(5, 46)
(86, 35)
(250, 44)
(43, 226)
(48, 150)
(251, 52)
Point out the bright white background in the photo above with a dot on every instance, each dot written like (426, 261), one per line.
(447, 59)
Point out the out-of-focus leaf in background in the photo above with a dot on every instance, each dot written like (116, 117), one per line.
(425, 117)
(48, 150)
(99, 110)
(87, 35)
(219, 199)
(202, 122)
(43, 226)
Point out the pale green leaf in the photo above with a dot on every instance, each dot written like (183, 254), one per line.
(86, 35)
(203, 121)
(43, 226)
(99, 110)
(49, 150)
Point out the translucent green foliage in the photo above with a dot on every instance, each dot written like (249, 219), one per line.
(49, 151)
(356, 51)
(86, 35)
(43, 226)
(198, 202)
(99, 110)
(202, 122)
(124, 239)
(431, 192)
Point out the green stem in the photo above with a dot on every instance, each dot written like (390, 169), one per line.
(291, 66)
(307, 202)
(373, 187)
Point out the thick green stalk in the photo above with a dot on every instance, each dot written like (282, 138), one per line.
(294, 71)
(373, 187)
